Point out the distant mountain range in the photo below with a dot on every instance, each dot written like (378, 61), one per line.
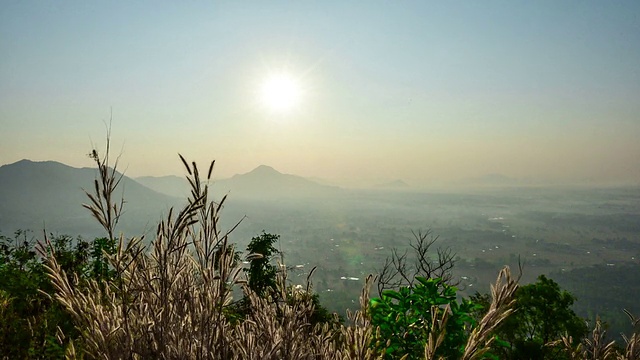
(266, 182)
(37, 195)
(263, 182)
(49, 195)
(171, 185)
(493, 180)
(396, 184)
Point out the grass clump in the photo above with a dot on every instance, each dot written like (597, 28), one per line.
(172, 297)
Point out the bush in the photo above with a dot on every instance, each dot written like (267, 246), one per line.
(408, 316)
(33, 324)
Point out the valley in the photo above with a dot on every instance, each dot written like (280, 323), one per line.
(348, 233)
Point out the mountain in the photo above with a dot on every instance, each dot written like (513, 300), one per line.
(397, 185)
(171, 185)
(325, 182)
(49, 195)
(262, 182)
(492, 180)
(266, 182)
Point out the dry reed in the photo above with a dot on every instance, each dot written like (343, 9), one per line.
(503, 294)
(170, 299)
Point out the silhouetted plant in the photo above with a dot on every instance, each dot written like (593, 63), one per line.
(401, 269)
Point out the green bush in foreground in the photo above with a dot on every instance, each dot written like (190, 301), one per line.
(31, 322)
(408, 316)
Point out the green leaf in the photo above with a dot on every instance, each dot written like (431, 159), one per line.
(392, 294)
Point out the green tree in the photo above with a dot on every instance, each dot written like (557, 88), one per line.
(99, 267)
(543, 314)
(262, 279)
(262, 273)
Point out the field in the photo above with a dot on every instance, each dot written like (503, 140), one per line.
(548, 230)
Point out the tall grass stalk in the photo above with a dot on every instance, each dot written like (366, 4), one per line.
(171, 297)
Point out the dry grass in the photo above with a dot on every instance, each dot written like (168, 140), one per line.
(170, 299)
(503, 293)
(596, 347)
(437, 331)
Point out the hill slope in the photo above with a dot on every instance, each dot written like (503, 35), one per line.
(262, 182)
(394, 185)
(171, 185)
(266, 182)
(37, 195)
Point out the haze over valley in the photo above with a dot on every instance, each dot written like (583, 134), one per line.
(509, 131)
(348, 233)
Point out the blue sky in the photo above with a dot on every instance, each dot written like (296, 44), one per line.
(424, 91)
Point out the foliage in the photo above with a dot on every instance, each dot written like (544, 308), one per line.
(101, 248)
(594, 286)
(405, 317)
(542, 315)
(320, 313)
(31, 321)
(262, 273)
(400, 269)
(262, 276)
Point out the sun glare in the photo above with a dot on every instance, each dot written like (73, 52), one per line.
(280, 92)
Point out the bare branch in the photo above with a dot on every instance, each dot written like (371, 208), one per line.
(397, 271)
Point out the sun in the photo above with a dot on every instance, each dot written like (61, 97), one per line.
(280, 92)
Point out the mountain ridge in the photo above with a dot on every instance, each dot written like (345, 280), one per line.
(266, 182)
(50, 194)
(263, 181)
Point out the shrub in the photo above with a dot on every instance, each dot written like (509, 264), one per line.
(408, 316)
(32, 323)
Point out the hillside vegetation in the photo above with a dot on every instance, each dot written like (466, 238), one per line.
(185, 293)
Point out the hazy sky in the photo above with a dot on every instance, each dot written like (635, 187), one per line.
(424, 91)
